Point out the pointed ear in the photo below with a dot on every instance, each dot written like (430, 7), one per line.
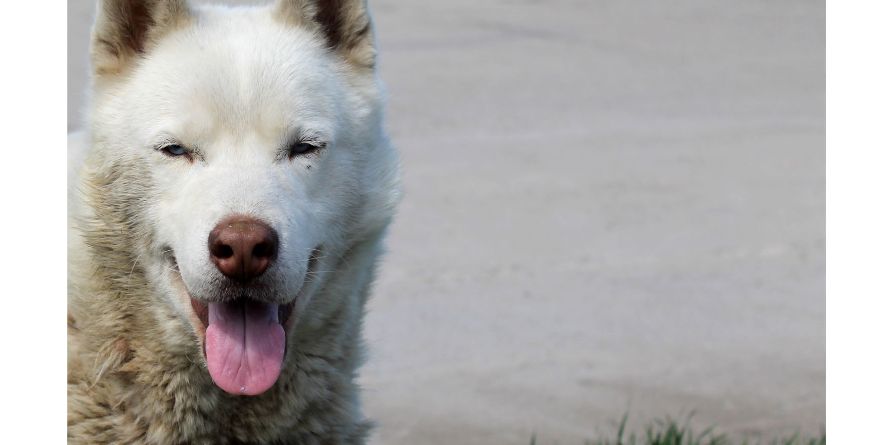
(345, 24)
(124, 29)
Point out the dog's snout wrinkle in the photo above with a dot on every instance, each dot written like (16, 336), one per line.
(242, 247)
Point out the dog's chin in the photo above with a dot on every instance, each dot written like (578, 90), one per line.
(242, 334)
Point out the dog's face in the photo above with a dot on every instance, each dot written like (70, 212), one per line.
(256, 135)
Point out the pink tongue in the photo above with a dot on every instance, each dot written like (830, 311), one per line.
(244, 346)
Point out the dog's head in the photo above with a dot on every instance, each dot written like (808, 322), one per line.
(241, 149)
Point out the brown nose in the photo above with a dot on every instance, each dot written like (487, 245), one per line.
(242, 248)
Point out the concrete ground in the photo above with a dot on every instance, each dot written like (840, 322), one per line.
(610, 207)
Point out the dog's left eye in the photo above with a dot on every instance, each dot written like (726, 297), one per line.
(304, 147)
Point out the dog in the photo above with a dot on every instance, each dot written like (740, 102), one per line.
(227, 209)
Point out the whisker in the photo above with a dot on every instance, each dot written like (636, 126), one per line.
(134, 263)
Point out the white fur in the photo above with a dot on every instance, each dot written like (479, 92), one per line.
(236, 85)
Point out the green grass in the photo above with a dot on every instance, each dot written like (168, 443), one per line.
(671, 432)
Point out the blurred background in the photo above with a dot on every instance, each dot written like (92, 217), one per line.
(610, 207)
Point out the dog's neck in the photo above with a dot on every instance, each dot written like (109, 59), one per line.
(145, 364)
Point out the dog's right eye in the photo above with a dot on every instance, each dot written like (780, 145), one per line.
(174, 150)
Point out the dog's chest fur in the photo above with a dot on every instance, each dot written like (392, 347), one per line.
(124, 387)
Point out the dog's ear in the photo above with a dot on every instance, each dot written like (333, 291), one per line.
(345, 24)
(124, 29)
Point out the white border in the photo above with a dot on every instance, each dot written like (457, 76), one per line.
(33, 363)
(856, 221)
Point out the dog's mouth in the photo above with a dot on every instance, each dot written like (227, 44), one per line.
(201, 309)
(244, 343)
(244, 340)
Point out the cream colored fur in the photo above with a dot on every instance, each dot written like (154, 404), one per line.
(234, 85)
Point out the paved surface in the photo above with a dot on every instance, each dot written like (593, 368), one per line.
(610, 206)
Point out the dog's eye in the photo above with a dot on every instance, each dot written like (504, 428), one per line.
(174, 150)
(304, 147)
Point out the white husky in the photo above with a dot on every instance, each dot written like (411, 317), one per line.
(227, 209)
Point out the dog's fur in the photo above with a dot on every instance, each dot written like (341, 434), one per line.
(234, 85)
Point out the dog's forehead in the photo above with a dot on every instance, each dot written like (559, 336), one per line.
(238, 69)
